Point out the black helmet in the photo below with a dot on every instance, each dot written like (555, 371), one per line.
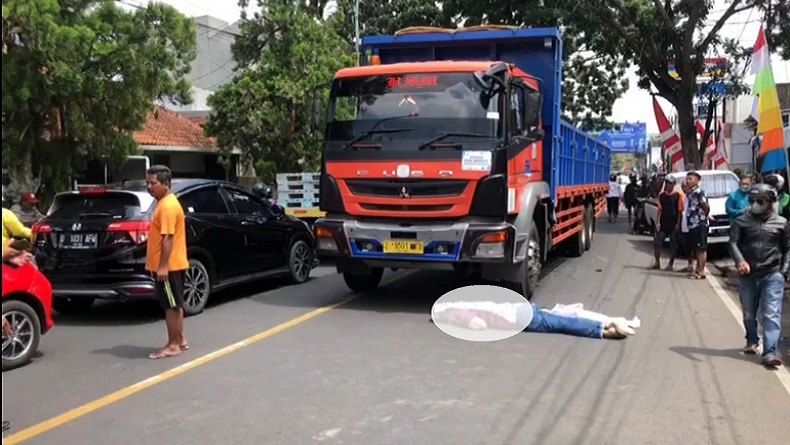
(262, 189)
(763, 191)
(775, 181)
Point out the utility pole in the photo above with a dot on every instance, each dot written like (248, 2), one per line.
(356, 30)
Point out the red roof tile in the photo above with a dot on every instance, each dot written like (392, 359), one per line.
(166, 128)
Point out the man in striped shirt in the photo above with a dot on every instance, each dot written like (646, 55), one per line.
(536, 320)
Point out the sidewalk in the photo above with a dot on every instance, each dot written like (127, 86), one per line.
(725, 270)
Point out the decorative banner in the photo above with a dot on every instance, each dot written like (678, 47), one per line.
(710, 148)
(769, 122)
(720, 158)
(714, 67)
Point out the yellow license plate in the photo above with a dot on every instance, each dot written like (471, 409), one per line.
(397, 246)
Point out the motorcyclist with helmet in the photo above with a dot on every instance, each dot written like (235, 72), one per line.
(760, 246)
(263, 191)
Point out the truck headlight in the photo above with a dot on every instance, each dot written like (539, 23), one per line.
(491, 245)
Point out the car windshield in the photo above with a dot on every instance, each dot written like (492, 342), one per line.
(89, 205)
(395, 111)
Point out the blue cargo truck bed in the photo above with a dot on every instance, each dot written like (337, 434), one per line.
(571, 157)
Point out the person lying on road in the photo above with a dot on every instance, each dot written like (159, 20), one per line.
(570, 320)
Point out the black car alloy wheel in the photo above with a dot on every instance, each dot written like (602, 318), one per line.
(301, 262)
(197, 287)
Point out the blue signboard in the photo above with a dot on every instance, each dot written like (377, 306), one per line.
(631, 138)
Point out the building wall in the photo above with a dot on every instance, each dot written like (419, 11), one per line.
(214, 64)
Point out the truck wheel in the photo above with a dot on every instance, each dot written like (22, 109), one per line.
(532, 265)
(19, 349)
(364, 283)
(589, 222)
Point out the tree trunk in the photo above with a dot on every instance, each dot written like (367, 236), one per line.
(21, 176)
(688, 131)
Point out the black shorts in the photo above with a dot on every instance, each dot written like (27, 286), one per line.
(698, 238)
(170, 293)
(660, 236)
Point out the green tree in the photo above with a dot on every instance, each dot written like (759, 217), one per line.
(79, 77)
(283, 53)
(648, 34)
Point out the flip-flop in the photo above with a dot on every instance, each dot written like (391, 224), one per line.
(184, 348)
(161, 354)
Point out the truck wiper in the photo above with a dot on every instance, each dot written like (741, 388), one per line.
(429, 144)
(361, 136)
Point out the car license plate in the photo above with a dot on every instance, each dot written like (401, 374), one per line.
(78, 241)
(404, 246)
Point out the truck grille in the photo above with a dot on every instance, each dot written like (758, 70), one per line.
(406, 208)
(388, 188)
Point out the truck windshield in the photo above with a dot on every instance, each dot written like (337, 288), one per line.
(397, 111)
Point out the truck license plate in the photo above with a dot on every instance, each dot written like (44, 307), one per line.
(397, 246)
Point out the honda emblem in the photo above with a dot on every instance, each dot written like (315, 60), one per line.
(76, 226)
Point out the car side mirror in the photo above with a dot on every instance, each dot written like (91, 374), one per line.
(277, 209)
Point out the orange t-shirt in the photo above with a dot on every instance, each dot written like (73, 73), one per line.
(168, 219)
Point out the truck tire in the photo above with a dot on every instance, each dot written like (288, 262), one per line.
(532, 265)
(589, 223)
(364, 283)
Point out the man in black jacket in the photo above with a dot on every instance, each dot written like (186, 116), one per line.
(760, 246)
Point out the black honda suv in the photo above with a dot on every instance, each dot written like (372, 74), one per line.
(92, 243)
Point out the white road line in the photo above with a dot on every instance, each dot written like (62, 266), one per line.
(782, 373)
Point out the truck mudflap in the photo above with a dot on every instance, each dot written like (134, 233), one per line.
(397, 244)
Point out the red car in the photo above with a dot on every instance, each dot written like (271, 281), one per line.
(27, 306)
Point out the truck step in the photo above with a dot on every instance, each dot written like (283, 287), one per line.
(297, 195)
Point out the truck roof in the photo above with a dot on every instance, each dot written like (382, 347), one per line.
(438, 66)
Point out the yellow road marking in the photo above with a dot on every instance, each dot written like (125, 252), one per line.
(123, 393)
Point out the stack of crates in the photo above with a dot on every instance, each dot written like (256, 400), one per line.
(298, 193)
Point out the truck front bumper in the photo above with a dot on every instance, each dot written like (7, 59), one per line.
(399, 244)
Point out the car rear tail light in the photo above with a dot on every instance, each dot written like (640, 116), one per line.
(42, 228)
(92, 190)
(137, 230)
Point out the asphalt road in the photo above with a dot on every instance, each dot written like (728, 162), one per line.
(375, 371)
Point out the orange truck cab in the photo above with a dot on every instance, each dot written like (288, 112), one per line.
(446, 150)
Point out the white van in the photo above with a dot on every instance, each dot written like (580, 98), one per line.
(717, 184)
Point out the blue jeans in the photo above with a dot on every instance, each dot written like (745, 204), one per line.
(548, 323)
(767, 292)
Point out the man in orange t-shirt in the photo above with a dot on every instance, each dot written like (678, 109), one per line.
(166, 258)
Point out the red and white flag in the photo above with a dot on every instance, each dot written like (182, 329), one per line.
(669, 138)
(710, 148)
(720, 156)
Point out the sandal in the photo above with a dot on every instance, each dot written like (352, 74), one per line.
(163, 354)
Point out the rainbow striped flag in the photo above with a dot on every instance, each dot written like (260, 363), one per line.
(769, 122)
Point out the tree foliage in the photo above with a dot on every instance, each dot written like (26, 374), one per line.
(79, 76)
(650, 33)
(282, 54)
(592, 81)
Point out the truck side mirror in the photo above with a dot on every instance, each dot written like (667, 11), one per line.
(534, 103)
